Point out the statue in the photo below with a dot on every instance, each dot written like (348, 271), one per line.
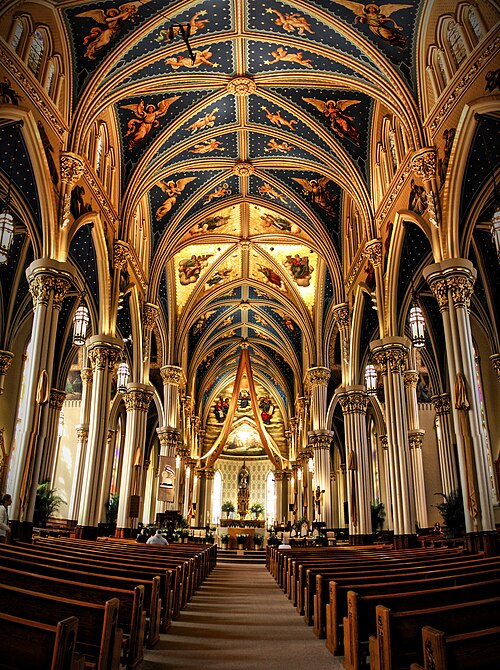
(318, 499)
(243, 491)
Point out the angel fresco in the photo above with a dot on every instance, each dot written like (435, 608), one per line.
(271, 221)
(271, 276)
(267, 189)
(278, 120)
(291, 22)
(377, 19)
(200, 58)
(315, 189)
(340, 122)
(219, 276)
(266, 407)
(282, 55)
(207, 146)
(173, 189)
(219, 192)
(190, 268)
(206, 121)
(299, 269)
(209, 224)
(288, 323)
(112, 19)
(166, 35)
(274, 145)
(145, 119)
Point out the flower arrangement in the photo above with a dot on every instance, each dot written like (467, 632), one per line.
(257, 508)
(224, 539)
(228, 507)
(241, 538)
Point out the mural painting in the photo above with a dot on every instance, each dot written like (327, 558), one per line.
(190, 268)
(291, 21)
(299, 268)
(282, 55)
(377, 18)
(316, 191)
(277, 120)
(340, 122)
(145, 119)
(173, 189)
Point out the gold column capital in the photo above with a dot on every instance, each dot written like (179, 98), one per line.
(150, 314)
(442, 403)
(424, 163)
(495, 361)
(319, 376)
(56, 399)
(171, 374)
(137, 399)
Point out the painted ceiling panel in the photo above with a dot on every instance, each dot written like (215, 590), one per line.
(226, 221)
(216, 148)
(202, 325)
(270, 146)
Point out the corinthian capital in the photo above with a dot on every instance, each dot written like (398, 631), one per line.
(56, 399)
(120, 255)
(171, 374)
(137, 399)
(423, 163)
(341, 315)
(390, 356)
(354, 402)
(440, 291)
(149, 315)
(61, 288)
(416, 439)
(411, 378)
(103, 356)
(40, 287)
(441, 403)
(373, 252)
(318, 376)
(495, 361)
(5, 361)
(321, 439)
(461, 289)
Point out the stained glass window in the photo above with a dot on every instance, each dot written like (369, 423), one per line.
(36, 53)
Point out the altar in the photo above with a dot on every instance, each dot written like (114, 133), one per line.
(241, 523)
(233, 531)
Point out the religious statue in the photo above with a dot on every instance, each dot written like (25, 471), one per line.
(243, 491)
(318, 499)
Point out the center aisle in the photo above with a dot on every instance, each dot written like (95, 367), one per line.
(240, 620)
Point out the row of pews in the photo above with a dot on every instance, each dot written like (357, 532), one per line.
(68, 604)
(431, 608)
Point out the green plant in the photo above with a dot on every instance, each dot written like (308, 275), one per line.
(257, 508)
(378, 515)
(241, 538)
(258, 540)
(273, 540)
(112, 508)
(47, 502)
(224, 539)
(452, 511)
(228, 507)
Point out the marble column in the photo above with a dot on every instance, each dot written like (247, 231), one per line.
(209, 487)
(49, 456)
(354, 401)
(342, 319)
(384, 444)
(82, 434)
(169, 439)
(452, 282)
(416, 439)
(104, 353)
(390, 356)
(49, 282)
(278, 479)
(321, 441)
(446, 449)
(137, 399)
(172, 376)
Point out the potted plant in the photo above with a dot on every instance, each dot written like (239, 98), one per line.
(258, 541)
(47, 502)
(224, 540)
(452, 511)
(257, 508)
(228, 508)
(241, 539)
(273, 540)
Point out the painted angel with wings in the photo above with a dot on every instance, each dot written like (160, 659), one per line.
(340, 122)
(112, 20)
(315, 189)
(146, 118)
(173, 189)
(377, 19)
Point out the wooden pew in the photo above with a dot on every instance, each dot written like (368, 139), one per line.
(30, 644)
(336, 608)
(78, 572)
(360, 621)
(468, 651)
(131, 616)
(398, 640)
(98, 639)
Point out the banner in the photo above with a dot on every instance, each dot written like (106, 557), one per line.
(166, 479)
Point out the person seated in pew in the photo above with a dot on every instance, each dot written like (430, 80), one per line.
(157, 538)
(143, 536)
(285, 544)
(5, 501)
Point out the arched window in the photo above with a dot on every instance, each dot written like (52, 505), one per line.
(98, 151)
(17, 34)
(456, 43)
(441, 69)
(270, 498)
(392, 146)
(49, 81)
(475, 24)
(216, 498)
(36, 53)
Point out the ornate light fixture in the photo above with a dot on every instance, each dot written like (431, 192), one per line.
(6, 217)
(123, 374)
(417, 324)
(371, 379)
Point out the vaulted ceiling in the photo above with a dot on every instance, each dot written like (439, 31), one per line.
(245, 156)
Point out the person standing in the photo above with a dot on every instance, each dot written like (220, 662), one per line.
(4, 518)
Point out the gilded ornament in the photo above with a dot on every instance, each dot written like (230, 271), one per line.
(5, 361)
(171, 374)
(61, 288)
(72, 169)
(278, 475)
(321, 441)
(373, 252)
(149, 315)
(120, 255)
(40, 288)
(355, 402)
(440, 292)
(82, 433)
(86, 375)
(441, 403)
(495, 361)
(396, 360)
(424, 164)
(243, 168)
(341, 316)
(415, 440)
(318, 376)
(411, 378)
(102, 356)
(384, 441)
(209, 473)
(241, 86)
(56, 399)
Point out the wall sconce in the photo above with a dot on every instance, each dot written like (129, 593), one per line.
(417, 324)
(123, 374)
(371, 379)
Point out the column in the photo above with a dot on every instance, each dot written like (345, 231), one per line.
(278, 478)
(297, 489)
(321, 441)
(104, 353)
(384, 443)
(423, 164)
(49, 456)
(171, 375)
(390, 355)
(209, 486)
(343, 321)
(82, 433)
(446, 449)
(354, 401)
(49, 282)
(169, 438)
(137, 399)
(416, 438)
